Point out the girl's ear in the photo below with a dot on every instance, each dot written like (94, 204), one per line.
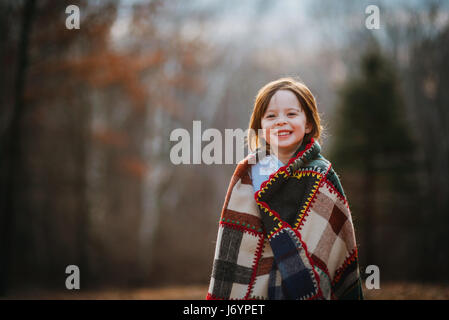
(308, 128)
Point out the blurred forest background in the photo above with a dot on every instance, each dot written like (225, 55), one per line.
(86, 115)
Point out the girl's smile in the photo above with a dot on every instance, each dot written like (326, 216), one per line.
(282, 134)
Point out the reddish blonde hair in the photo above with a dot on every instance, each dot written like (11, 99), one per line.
(305, 99)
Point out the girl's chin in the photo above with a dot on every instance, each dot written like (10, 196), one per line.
(286, 147)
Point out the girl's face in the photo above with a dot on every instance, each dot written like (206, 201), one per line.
(285, 122)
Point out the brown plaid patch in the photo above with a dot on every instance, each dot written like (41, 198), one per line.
(265, 266)
(244, 219)
(323, 204)
(338, 224)
(337, 219)
(323, 249)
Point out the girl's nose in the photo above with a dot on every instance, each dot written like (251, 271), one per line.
(281, 121)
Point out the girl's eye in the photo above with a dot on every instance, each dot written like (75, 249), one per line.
(270, 116)
(292, 114)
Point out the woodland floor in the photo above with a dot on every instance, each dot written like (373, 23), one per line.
(388, 291)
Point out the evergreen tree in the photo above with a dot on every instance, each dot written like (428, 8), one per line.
(372, 142)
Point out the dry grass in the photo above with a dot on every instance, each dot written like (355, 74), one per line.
(192, 292)
(408, 291)
(388, 291)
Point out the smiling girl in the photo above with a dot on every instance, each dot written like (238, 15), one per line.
(285, 229)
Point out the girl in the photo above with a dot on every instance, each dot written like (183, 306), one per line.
(285, 230)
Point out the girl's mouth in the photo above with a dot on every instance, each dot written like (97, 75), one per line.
(283, 133)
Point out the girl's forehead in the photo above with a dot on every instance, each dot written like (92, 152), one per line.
(284, 99)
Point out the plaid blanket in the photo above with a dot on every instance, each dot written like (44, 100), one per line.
(292, 239)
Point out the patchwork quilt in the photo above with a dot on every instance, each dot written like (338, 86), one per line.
(292, 239)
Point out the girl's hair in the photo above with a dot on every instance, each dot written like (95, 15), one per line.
(305, 98)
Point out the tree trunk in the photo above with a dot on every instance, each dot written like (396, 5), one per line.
(11, 151)
(369, 212)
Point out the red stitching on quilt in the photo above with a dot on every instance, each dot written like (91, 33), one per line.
(239, 227)
(334, 190)
(211, 296)
(276, 232)
(317, 278)
(284, 225)
(255, 265)
(322, 266)
(351, 258)
(265, 205)
(306, 213)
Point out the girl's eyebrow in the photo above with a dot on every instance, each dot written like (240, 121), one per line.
(290, 108)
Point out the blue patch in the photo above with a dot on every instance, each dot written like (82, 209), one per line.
(298, 281)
